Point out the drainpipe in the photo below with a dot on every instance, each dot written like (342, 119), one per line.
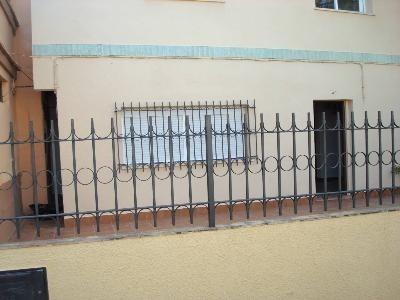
(362, 82)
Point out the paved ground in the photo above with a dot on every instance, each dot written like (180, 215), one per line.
(48, 230)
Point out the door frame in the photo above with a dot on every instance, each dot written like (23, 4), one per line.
(345, 109)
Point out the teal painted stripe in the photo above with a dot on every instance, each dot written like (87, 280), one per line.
(101, 50)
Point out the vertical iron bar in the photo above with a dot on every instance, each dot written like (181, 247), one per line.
(116, 118)
(236, 132)
(215, 134)
(156, 134)
(353, 161)
(201, 136)
(294, 162)
(193, 136)
(95, 177)
(179, 135)
(15, 182)
(141, 136)
(54, 177)
(189, 168)
(222, 135)
(228, 137)
(380, 157)
(34, 176)
(75, 177)
(366, 124)
(163, 130)
(262, 128)
(279, 166)
(246, 163)
(115, 174)
(171, 168)
(152, 171)
(134, 179)
(392, 126)
(310, 180)
(325, 163)
(339, 138)
(255, 127)
(125, 133)
(250, 153)
(210, 172)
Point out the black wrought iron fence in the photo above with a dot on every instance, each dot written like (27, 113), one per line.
(212, 160)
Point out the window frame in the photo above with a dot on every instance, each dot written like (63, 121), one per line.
(362, 7)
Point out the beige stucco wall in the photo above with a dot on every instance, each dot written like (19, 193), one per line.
(293, 24)
(346, 258)
(283, 87)
(88, 86)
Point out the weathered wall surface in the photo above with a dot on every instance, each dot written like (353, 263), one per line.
(345, 258)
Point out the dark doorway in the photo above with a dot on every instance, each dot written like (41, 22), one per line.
(49, 101)
(332, 148)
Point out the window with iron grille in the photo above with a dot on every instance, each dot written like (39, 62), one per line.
(349, 5)
(187, 133)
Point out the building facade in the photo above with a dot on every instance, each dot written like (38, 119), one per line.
(102, 61)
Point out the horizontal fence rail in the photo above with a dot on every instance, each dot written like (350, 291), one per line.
(173, 158)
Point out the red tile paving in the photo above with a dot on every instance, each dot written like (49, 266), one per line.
(48, 229)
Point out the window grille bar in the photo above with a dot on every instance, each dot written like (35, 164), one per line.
(255, 128)
(116, 117)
